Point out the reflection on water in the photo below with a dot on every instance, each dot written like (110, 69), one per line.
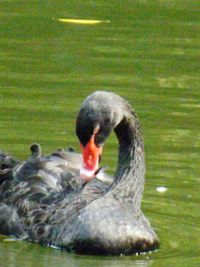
(35, 255)
(149, 54)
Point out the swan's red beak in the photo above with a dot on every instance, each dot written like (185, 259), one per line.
(91, 154)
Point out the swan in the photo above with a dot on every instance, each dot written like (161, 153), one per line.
(61, 199)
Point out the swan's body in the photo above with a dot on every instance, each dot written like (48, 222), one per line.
(45, 200)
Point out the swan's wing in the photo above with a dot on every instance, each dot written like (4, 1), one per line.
(58, 171)
(43, 191)
(73, 159)
(37, 184)
(38, 177)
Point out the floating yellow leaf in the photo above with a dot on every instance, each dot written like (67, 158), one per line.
(83, 21)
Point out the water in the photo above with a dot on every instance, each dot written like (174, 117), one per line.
(149, 54)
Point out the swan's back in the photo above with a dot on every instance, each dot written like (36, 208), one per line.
(42, 194)
(35, 184)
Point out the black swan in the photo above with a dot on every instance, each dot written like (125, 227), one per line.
(58, 201)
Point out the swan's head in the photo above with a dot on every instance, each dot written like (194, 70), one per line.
(98, 115)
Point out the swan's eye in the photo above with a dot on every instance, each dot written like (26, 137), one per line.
(101, 136)
(99, 139)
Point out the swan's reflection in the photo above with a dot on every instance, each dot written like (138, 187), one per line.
(23, 254)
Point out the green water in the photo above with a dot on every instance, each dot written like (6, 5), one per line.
(149, 54)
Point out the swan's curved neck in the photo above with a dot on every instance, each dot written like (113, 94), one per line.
(129, 179)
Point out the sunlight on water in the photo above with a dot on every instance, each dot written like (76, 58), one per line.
(83, 21)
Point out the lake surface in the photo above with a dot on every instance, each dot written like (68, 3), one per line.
(146, 51)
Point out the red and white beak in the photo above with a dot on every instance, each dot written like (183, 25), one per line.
(91, 154)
